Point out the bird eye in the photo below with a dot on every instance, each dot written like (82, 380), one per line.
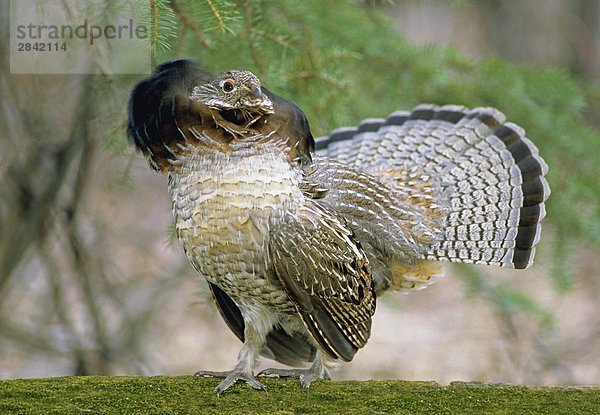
(228, 85)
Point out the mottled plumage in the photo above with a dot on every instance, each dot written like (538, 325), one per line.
(297, 245)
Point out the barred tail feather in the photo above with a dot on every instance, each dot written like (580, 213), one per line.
(490, 175)
(497, 192)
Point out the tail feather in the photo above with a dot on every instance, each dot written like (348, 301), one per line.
(490, 176)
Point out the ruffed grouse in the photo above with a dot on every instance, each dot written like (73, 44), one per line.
(297, 245)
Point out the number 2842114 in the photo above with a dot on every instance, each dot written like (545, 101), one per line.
(42, 46)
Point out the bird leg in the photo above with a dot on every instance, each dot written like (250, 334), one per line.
(244, 366)
(318, 370)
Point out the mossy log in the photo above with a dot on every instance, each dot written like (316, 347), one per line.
(192, 395)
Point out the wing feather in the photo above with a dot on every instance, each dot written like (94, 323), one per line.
(327, 274)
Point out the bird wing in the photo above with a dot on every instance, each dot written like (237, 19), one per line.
(326, 273)
(395, 221)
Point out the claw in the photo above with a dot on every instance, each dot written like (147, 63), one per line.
(236, 375)
(231, 378)
(306, 376)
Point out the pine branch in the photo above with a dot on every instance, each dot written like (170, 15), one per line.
(220, 21)
(161, 22)
(155, 21)
(188, 22)
(247, 7)
(318, 75)
(276, 39)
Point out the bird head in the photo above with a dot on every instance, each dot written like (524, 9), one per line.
(236, 95)
(183, 103)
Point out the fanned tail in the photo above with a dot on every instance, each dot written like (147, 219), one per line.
(490, 176)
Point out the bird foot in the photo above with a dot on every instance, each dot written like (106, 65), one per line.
(230, 378)
(306, 376)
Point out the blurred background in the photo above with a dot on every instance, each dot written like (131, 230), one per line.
(92, 280)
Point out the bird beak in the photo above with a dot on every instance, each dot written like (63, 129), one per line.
(257, 94)
(261, 100)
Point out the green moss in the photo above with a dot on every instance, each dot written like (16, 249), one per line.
(186, 394)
